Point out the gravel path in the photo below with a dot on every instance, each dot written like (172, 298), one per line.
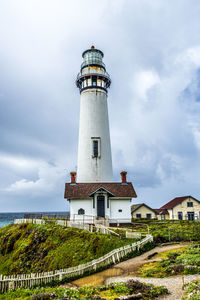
(127, 270)
(174, 284)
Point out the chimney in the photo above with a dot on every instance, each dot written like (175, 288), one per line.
(73, 177)
(123, 176)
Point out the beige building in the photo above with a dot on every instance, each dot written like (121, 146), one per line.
(180, 208)
(142, 210)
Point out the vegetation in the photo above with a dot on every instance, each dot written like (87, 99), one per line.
(109, 292)
(192, 290)
(179, 261)
(29, 248)
(167, 231)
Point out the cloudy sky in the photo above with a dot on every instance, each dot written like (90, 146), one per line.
(152, 52)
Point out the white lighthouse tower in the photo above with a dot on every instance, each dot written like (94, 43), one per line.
(94, 195)
(94, 150)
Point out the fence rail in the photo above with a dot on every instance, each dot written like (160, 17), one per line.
(13, 282)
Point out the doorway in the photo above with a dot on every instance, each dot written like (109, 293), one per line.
(101, 206)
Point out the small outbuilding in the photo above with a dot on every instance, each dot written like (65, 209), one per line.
(142, 210)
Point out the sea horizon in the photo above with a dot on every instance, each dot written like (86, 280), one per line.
(7, 218)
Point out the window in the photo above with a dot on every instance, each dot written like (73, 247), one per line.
(180, 215)
(93, 202)
(94, 81)
(189, 204)
(107, 202)
(190, 216)
(95, 148)
(148, 216)
(81, 211)
(119, 210)
(162, 217)
(138, 216)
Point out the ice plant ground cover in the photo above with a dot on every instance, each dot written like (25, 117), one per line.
(109, 292)
(177, 262)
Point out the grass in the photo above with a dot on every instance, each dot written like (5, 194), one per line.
(177, 262)
(109, 292)
(29, 248)
(168, 231)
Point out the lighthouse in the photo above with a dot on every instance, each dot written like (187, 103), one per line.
(92, 193)
(94, 150)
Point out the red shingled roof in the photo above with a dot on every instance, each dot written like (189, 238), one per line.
(161, 211)
(85, 190)
(176, 201)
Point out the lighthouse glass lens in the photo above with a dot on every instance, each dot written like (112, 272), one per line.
(93, 58)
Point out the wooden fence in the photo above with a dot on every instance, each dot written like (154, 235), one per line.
(13, 282)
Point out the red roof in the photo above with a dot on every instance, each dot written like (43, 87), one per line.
(176, 201)
(161, 211)
(85, 190)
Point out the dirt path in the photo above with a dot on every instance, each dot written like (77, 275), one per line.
(174, 284)
(133, 264)
(126, 270)
(123, 269)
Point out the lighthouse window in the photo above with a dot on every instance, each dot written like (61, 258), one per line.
(95, 148)
(94, 81)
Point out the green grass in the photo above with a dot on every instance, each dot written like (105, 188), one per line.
(110, 292)
(167, 231)
(29, 248)
(176, 262)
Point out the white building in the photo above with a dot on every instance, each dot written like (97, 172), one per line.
(95, 194)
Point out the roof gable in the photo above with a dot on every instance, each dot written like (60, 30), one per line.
(135, 207)
(174, 202)
(101, 189)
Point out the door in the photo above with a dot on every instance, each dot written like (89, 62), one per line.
(101, 206)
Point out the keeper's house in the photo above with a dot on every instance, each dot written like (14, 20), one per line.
(94, 200)
(180, 208)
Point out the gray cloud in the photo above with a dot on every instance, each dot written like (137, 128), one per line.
(152, 52)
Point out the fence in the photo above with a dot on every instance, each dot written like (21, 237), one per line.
(13, 282)
(133, 235)
(29, 280)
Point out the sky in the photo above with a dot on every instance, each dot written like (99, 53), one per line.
(152, 53)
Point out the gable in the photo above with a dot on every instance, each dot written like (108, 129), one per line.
(135, 207)
(178, 200)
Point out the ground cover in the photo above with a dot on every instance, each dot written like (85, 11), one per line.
(29, 248)
(192, 290)
(109, 292)
(167, 231)
(177, 262)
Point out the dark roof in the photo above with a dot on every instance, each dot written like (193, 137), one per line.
(86, 190)
(176, 201)
(134, 207)
(161, 211)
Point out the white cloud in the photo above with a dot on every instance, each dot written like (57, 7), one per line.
(49, 178)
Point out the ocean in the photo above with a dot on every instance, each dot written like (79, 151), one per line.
(8, 218)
